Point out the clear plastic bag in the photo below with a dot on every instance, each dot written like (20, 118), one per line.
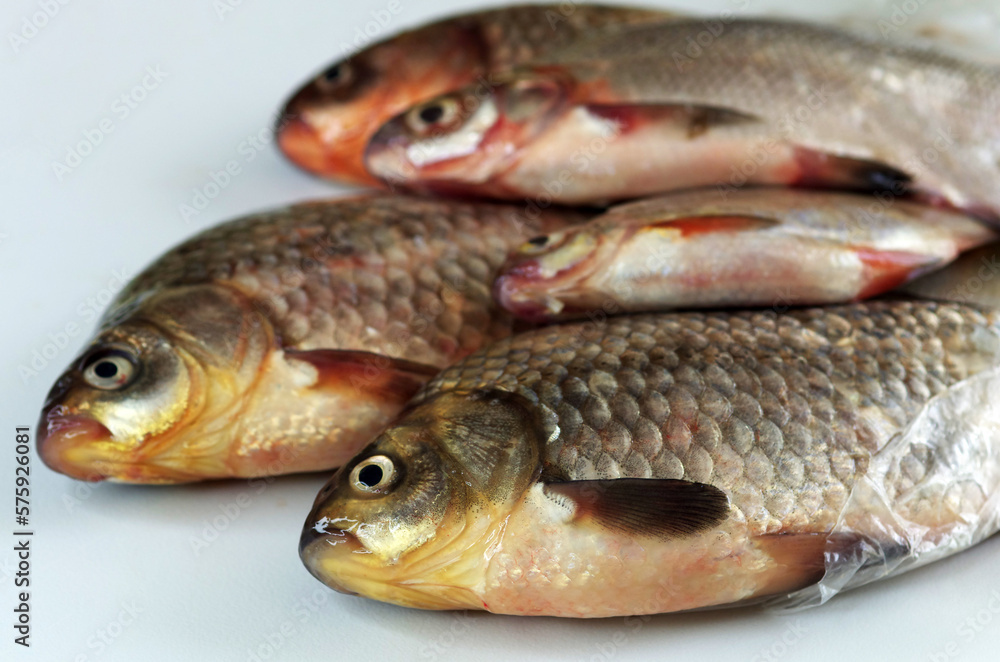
(900, 519)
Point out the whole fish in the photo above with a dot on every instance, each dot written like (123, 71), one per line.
(326, 125)
(282, 342)
(751, 247)
(697, 103)
(655, 463)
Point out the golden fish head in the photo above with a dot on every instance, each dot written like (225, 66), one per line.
(142, 401)
(409, 519)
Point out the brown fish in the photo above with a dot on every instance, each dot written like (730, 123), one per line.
(326, 125)
(656, 463)
(649, 110)
(751, 247)
(282, 342)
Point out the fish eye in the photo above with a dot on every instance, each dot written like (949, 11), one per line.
(431, 114)
(545, 243)
(336, 76)
(437, 114)
(374, 474)
(333, 73)
(110, 369)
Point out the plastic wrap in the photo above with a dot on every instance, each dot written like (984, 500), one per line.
(930, 492)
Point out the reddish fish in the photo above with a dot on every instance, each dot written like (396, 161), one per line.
(767, 102)
(752, 247)
(327, 124)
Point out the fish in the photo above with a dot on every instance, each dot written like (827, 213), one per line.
(718, 102)
(282, 342)
(751, 247)
(325, 126)
(664, 462)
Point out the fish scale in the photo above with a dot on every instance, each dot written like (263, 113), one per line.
(758, 403)
(519, 34)
(401, 276)
(941, 95)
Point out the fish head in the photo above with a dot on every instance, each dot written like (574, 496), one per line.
(459, 141)
(143, 401)
(408, 520)
(537, 278)
(326, 124)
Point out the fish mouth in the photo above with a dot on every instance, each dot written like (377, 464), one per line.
(538, 288)
(303, 144)
(386, 156)
(75, 445)
(335, 558)
(83, 448)
(318, 547)
(509, 292)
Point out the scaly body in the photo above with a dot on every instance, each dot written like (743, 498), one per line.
(665, 462)
(766, 102)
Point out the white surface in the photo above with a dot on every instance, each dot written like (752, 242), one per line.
(99, 550)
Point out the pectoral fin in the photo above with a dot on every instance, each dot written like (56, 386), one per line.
(825, 170)
(368, 374)
(645, 506)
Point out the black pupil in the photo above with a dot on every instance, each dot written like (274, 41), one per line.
(333, 73)
(431, 114)
(538, 241)
(105, 370)
(371, 475)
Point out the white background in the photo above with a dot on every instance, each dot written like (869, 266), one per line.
(101, 552)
